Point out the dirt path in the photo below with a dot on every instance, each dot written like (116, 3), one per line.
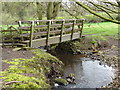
(8, 53)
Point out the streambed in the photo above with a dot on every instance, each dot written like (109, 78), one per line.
(88, 73)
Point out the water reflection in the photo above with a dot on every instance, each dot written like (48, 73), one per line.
(88, 73)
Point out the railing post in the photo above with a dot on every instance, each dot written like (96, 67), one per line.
(62, 29)
(20, 24)
(48, 33)
(73, 26)
(81, 28)
(31, 33)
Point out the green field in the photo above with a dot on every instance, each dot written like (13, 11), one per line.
(104, 29)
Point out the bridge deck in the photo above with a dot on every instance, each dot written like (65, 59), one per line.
(52, 40)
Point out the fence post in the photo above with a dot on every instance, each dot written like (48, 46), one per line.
(20, 24)
(48, 33)
(81, 28)
(31, 33)
(62, 29)
(73, 26)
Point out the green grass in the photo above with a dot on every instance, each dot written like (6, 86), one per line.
(104, 29)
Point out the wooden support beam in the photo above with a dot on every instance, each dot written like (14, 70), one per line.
(81, 28)
(73, 26)
(31, 33)
(20, 24)
(48, 32)
(62, 29)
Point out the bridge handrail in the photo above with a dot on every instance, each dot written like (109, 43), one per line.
(29, 21)
(35, 24)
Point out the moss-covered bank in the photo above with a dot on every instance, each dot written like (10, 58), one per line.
(31, 73)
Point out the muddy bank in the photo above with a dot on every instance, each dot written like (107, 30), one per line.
(103, 49)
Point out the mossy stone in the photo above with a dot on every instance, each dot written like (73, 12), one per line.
(61, 81)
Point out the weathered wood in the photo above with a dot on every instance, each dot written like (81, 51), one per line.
(5, 41)
(29, 21)
(73, 26)
(68, 24)
(31, 33)
(48, 32)
(51, 32)
(53, 40)
(81, 29)
(20, 24)
(15, 44)
(8, 30)
(62, 29)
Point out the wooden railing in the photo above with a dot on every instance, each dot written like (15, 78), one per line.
(45, 32)
(48, 28)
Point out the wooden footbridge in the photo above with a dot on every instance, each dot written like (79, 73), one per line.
(42, 32)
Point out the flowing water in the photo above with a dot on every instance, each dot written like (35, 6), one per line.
(88, 73)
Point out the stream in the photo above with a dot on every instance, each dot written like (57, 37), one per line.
(88, 73)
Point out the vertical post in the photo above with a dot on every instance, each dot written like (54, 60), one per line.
(31, 33)
(73, 26)
(48, 33)
(2, 36)
(81, 28)
(20, 24)
(12, 38)
(62, 29)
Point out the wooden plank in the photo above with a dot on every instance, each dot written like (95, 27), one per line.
(39, 42)
(76, 35)
(9, 40)
(40, 26)
(8, 30)
(53, 40)
(56, 25)
(68, 24)
(29, 21)
(15, 44)
(26, 34)
(24, 27)
(36, 27)
(78, 24)
(51, 32)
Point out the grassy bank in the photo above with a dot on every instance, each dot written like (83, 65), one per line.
(31, 73)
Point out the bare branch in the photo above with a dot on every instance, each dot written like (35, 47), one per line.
(103, 10)
(96, 14)
(113, 4)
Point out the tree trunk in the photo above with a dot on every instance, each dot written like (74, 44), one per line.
(39, 11)
(52, 10)
(49, 10)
